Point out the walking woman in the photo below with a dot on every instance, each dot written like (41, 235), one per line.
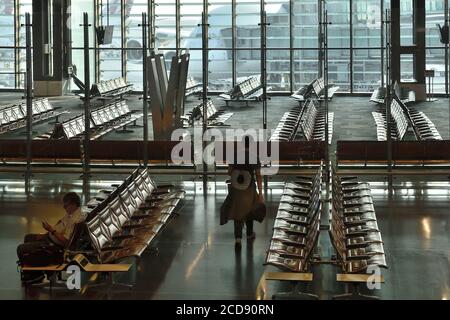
(243, 200)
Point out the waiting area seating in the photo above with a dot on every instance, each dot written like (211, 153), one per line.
(315, 89)
(424, 128)
(193, 87)
(402, 117)
(113, 116)
(122, 222)
(215, 117)
(116, 87)
(129, 223)
(14, 117)
(320, 90)
(296, 227)
(246, 91)
(354, 232)
(296, 232)
(288, 126)
(304, 93)
(404, 94)
(313, 123)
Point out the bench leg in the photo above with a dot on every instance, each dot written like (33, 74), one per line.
(56, 120)
(355, 294)
(135, 125)
(124, 130)
(108, 284)
(295, 294)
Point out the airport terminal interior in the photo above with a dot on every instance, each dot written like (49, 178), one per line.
(145, 108)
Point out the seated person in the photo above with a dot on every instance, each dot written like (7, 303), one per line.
(47, 249)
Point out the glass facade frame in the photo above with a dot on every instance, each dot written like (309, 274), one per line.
(355, 40)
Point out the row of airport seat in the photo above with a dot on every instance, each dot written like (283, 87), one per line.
(314, 90)
(424, 128)
(287, 128)
(247, 90)
(14, 116)
(399, 120)
(354, 230)
(313, 123)
(130, 222)
(193, 87)
(111, 88)
(402, 117)
(296, 227)
(404, 94)
(105, 119)
(214, 116)
(120, 222)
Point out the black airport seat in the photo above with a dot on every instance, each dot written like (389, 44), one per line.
(355, 236)
(110, 117)
(193, 87)
(14, 116)
(214, 116)
(247, 90)
(296, 227)
(111, 88)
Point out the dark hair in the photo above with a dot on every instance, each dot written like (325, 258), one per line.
(73, 198)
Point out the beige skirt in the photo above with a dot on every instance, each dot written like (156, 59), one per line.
(239, 204)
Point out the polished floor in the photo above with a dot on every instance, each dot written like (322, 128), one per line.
(194, 257)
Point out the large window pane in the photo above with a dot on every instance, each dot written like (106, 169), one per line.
(7, 23)
(434, 15)
(339, 68)
(24, 7)
(436, 62)
(78, 61)
(191, 16)
(110, 64)
(406, 23)
(278, 70)
(219, 19)
(248, 63)
(305, 67)
(110, 61)
(165, 24)
(247, 19)
(278, 17)
(339, 30)
(220, 70)
(7, 79)
(305, 23)
(133, 36)
(76, 19)
(366, 70)
(366, 23)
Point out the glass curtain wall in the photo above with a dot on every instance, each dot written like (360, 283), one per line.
(234, 42)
